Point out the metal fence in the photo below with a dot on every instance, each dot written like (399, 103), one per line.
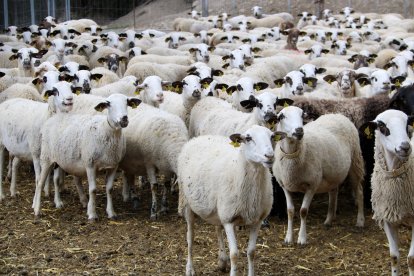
(26, 12)
(235, 7)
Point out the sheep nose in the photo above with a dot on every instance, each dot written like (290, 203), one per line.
(131, 44)
(207, 58)
(300, 88)
(114, 68)
(299, 133)
(94, 33)
(65, 37)
(405, 146)
(241, 67)
(124, 121)
(270, 156)
(196, 93)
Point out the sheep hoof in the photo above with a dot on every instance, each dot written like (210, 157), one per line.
(135, 203)
(327, 224)
(265, 223)
(153, 217)
(2, 197)
(36, 219)
(113, 217)
(288, 243)
(15, 194)
(302, 243)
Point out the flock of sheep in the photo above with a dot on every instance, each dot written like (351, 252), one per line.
(219, 106)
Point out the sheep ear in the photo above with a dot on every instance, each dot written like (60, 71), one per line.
(96, 76)
(260, 86)
(389, 65)
(325, 51)
(250, 103)
(311, 82)
(101, 106)
(285, 102)
(225, 57)
(192, 50)
(352, 59)
(308, 51)
(329, 78)
(222, 86)
(410, 121)
(167, 39)
(177, 87)
(13, 57)
(368, 129)
(2, 74)
(139, 36)
(217, 73)
(102, 60)
(302, 33)
(363, 81)
(123, 59)
(226, 65)
(256, 49)
(279, 135)
(211, 48)
(206, 81)
(236, 139)
(231, 89)
(279, 82)
(77, 90)
(50, 93)
(320, 70)
(35, 81)
(398, 80)
(166, 85)
(133, 102)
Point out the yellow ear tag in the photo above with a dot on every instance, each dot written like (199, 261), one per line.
(277, 138)
(397, 83)
(138, 90)
(177, 89)
(133, 105)
(368, 133)
(363, 83)
(46, 97)
(235, 144)
(205, 85)
(257, 88)
(329, 81)
(77, 92)
(310, 83)
(285, 104)
(278, 85)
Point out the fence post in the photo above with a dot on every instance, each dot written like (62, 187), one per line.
(6, 13)
(406, 7)
(289, 7)
(134, 15)
(53, 4)
(349, 3)
(67, 9)
(32, 12)
(204, 7)
(234, 7)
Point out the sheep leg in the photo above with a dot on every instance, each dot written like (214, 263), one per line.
(410, 258)
(2, 149)
(46, 189)
(14, 168)
(307, 199)
(189, 217)
(223, 258)
(290, 212)
(46, 169)
(109, 185)
(153, 181)
(9, 167)
(126, 180)
(392, 235)
(164, 201)
(360, 206)
(91, 174)
(251, 249)
(56, 176)
(333, 200)
(82, 197)
(231, 238)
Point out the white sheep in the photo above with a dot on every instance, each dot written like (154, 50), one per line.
(169, 72)
(107, 77)
(154, 139)
(20, 123)
(317, 158)
(227, 198)
(92, 142)
(180, 60)
(20, 90)
(127, 86)
(391, 182)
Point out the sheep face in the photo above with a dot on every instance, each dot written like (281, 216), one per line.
(257, 11)
(398, 66)
(256, 144)
(340, 47)
(294, 82)
(25, 56)
(11, 30)
(59, 46)
(191, 87)
(112, 61)
(93, 29)
(130, 36)
(380, 81)
(117, 109)
(153, 90)
(327, 13)
(174, 40)
(236, 59)
(63, 95)
(201, 52)
(274, 33)
(82, 79)
(391, 128)
(346, 83)
(290, 122)
(347, 11)
(112, 40)
(310, 70)
(48, 80)
(316, 51)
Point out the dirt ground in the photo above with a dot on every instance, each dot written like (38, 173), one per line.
(64, 242)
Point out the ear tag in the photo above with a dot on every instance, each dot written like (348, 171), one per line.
(310, 83)
(205, 85)
(177, 89)
(363, 83)
(138, 90)
(329, 81)
(285, 104)
(277, 137)
(278, 85)
(397, 83)
(77, 92)
(368, 133)
(235, 144)
(133, 105)
(257, 88)
(46, 97)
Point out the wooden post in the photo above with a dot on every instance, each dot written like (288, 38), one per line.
(6, 13)
(320, 6)
(204, 7)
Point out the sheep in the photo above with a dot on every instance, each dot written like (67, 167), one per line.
(316, 51)
(181, 105)
(270, 21)
(292, 38)
(345, 81)
(20, 90)
(392, 179)
(6, 80)
(130, 36)
(215, 116)
(379, 81)
(107, 77)
(151, 90)
(180, 60)
(82, 79)
(243, 198)
(169, 72)
(162, 51)
(306, 163)
(154, 139)
(19, 136)
(127, 86)
(112, 39)
(242, 90)
(90, 143)
(24, 57)
(293, 84)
